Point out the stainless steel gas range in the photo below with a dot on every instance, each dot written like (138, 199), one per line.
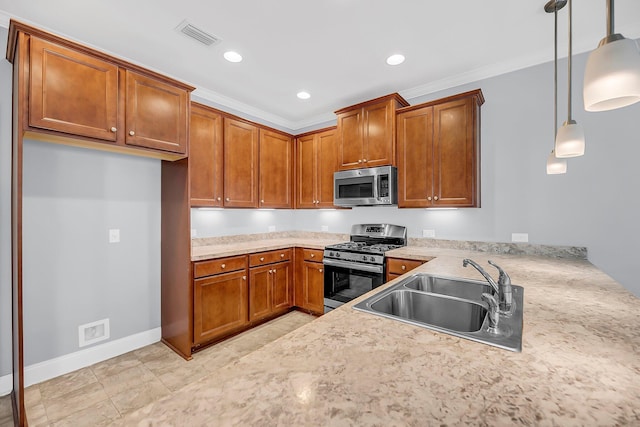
(354, 268)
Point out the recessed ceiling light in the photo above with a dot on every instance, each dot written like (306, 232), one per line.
(303, 95)
(395, 59)
(232, 56)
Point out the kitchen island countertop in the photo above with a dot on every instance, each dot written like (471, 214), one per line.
(579, 363)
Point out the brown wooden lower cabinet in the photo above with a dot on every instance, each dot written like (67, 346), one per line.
(309, 283)
(270, 285)
(396, 267)
(220, 305)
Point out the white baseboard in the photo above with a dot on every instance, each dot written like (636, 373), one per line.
(6, 384)
(52, 368)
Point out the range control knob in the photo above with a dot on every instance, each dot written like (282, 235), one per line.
(372, 259)
(337, 254)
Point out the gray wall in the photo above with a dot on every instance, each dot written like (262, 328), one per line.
(5, 210)
(72, 274)
(594, 205)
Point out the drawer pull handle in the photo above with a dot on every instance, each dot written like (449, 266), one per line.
(313, 255)
(223, 266)
(404, 267)
(281, 255)
(320, 270)
(244, 277)
(261, 258)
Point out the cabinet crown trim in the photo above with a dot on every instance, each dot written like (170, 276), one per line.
(394, 96)
(477, 93)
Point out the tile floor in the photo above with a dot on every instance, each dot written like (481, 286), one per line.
(102, 393)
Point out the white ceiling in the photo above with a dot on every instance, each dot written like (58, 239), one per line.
(334, 49)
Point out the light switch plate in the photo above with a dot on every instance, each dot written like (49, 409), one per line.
(520, 237)
(114, 235)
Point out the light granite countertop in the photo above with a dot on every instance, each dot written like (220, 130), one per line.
(579, 363)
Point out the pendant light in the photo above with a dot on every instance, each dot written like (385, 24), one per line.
(612, 74)
(555, 165)
(570, 137)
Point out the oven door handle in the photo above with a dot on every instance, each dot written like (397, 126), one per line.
(354, 265)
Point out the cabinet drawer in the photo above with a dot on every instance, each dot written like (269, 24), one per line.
(220, 265)
(270, 257)
(401, 266)
(313, 255)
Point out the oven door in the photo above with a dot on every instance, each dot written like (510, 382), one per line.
(346, 280)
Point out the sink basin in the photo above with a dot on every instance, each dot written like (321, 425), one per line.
(449, 305)
(461, 288)
(449, 313)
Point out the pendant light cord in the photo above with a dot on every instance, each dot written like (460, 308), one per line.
(555, 75)
(610, 28)
(569, 66)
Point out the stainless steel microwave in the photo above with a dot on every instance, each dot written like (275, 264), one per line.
(366, 187)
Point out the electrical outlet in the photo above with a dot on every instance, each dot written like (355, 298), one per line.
(93, 332)
(114, 235)
(429, 233)
(272, 228)
(520, 237)
(324, 228)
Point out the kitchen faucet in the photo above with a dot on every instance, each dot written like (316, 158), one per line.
(502, 289)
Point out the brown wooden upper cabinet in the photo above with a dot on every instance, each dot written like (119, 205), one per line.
(317, 160)
(366, 133)
(205, 157)
(85, 96)
(240, 164)
(439, 152)
(276, 170)
(156, 114)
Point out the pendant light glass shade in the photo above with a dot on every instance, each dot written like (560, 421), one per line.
(612, 73)
(556, 166)
(612, 76)
(569, 140)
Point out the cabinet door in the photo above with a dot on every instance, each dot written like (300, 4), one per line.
(327, 161)
(306, 172)
(379, 132)
(350, 139)
(240, 164)
(72, 92)
(219, 306)
(156, 114)
(276, 170)
(260, 292)
(205, 157)
(313, 286)
(455, 153)
(415, 158)
(282, 281)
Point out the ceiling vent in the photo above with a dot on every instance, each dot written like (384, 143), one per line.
(196, 33)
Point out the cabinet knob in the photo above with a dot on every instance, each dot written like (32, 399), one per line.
(261, 258)
(132, 133)
(281, 255)
(219, 198)
(227, 199)
(244, 277)
(429, 198)
(320, 270)
(270, 271)
(274, 271)
(435, 198)
(261, 201)
(364, 160)
(404, 267)
(223, 266)
(359, 161)
(114, 129)
(313, 255)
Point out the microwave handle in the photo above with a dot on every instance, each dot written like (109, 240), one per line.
(376, 187)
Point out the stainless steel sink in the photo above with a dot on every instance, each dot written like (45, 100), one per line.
(467, 289)
(445, 312)
(449, 305)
